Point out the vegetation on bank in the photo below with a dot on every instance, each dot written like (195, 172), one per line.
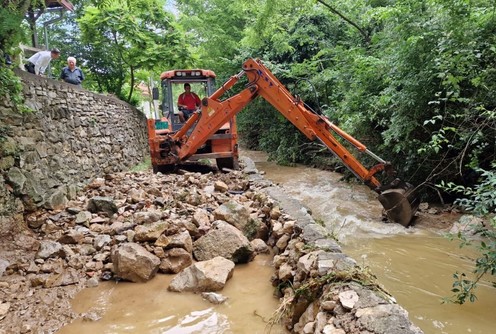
(413, 80)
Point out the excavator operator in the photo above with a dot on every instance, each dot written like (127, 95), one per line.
(187, 103)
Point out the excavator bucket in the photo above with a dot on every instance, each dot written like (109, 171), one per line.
(400, 203)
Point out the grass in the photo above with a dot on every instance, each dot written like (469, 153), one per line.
(142, 166)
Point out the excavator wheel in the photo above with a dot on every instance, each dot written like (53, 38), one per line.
(229, 163)
(400, 203)
(164, 169)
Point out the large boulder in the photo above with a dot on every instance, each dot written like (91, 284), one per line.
(235, 246)
(238, 215)
(205, 276)
(134, 263)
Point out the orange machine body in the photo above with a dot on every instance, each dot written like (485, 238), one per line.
(216, 111)
(221, 145)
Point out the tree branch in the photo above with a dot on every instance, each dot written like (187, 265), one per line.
(364, 34)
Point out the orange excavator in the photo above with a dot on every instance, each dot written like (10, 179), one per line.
(170, 148)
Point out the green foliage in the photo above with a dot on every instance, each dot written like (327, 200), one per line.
(463, 287)
(11, 88)
(214, 30)
(11, 16)
(418, 91)
(143, 166)
(481, 200)
(123, 38)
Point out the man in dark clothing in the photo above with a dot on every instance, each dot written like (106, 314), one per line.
(72, 74)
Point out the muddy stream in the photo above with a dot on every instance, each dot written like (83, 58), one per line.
(149, 308)
(415, 265)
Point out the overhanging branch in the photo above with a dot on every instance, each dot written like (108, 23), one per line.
(365, 35)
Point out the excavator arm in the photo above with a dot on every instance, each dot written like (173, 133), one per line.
(397, 198)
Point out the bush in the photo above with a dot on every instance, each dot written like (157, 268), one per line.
(481, 200)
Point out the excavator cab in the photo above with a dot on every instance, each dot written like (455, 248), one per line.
(222, 146)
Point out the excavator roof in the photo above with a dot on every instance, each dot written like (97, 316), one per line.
(187, 74)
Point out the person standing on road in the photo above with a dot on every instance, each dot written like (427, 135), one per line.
(187, 103)
(72, 74)
(38, 63)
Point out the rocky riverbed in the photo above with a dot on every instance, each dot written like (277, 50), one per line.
(133, 226)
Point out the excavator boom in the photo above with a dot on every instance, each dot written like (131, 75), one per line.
(398, 199)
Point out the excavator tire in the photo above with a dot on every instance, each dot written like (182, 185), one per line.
(400, 204)
(229, 163)
(164, 169)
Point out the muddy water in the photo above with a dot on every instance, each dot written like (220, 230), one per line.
(149, 308)
(415, 265)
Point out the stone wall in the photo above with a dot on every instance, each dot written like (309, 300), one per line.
(71, 137)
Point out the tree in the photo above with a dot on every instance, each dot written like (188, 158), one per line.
(121, 38)
(11, 15)
(214, 31)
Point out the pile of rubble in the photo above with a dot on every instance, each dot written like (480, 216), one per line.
(131, 226)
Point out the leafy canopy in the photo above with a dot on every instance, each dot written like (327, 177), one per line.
(124, 37)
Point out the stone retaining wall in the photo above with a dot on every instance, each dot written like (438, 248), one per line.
(71, 136)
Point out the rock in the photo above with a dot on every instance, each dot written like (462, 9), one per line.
(181, 240)
(204, 276)
(235, 214)
(285, 272)
(83, 217)
(96, 183)
(235, 246)
(92, 316)
(307, 261)
(146, 217)
(201, 218)
(3, 265)
(348, 299)
(73, 210)
(221, 186)
(328, 305)
(283, 241)
(386, 318)
(4, 308)
(136, 195)
(48, 249)
(134, 263)
(56, 200)
(214, 298)
(102, 204)
(67, 277)
(260, 246)
(71, 237)
(150, 232)
(330, 329)
(17, 179)
(101, 240)
(334, 261)
(175, 260)
(275, 213)
(92, 282)
(468, 225)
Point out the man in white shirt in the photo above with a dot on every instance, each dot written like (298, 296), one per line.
(38, 62)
